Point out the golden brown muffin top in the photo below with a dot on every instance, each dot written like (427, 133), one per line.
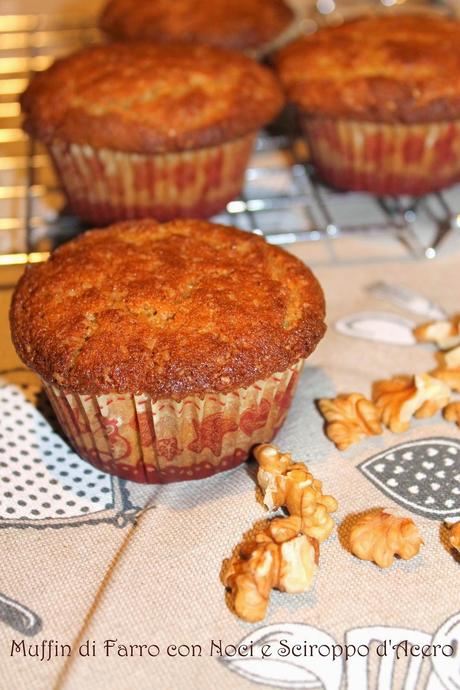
(238, 24)
(403, 68)
(185, 307)
(150, 98)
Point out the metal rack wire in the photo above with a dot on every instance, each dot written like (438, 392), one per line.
(282, 198)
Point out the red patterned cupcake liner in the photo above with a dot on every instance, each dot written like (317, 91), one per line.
(384, 158)
(160, 441)
(104, 186)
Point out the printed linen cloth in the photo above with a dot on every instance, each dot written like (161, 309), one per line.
(77, 570)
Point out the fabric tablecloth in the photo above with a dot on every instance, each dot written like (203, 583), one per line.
(141, 565)
(128, 576)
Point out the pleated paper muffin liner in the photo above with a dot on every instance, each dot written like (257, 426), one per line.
(159, 441)
(384, 158)
(103, 186)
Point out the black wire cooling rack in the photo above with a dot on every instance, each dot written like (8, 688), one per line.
(282, 199)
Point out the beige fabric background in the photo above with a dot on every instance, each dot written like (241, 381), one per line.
(165, 587)
(158, 583)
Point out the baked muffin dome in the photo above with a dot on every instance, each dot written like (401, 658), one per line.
(239, 24)
(150, 98)
(185, 307)
(403, 68)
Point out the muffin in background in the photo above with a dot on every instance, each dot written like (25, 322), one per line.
(167, 351)
(246, 25)
(139, 130)
(379, 102)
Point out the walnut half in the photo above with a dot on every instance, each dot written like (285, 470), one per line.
(349, 419)
(380, 536)
(279, 557)
(449, 371)
(291, 485)
(451, 358)
(400, 398)
(454, 535)
(450, 377)
(271, 475)
(452, 412)
(444, 334)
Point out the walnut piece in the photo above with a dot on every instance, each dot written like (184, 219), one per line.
(380, 536)
(450, 359)
(454, 535)
(292, 486)
(271, 475)
(451, 377)
(452, 412)
(349, 419)
(283, 555)
(400, 398)
(449, 371)
(444, 333)
(279, 557)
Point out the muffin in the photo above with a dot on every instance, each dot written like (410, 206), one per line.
(247, 25)
(379, 101)
(138, 130)
(167, 350)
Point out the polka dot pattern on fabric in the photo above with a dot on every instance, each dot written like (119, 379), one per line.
(423, 475)
(41, 477)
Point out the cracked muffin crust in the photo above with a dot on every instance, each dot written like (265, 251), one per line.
(173, 309)
(238, 24)
(146, 98)
(404, 68)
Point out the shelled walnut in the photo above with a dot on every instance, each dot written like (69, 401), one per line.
(402, 397)
(454, 535)
(445, 334)
(278, 557)
(449, 369)
(284, 554)
(380, 536)
(451, 358)
(450, 377)
(291, 485)
(271, 475)
(452, 412)
(349, 419)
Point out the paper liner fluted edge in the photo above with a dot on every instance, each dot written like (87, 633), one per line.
(104, 186)
(384, 158)
(137, 438)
